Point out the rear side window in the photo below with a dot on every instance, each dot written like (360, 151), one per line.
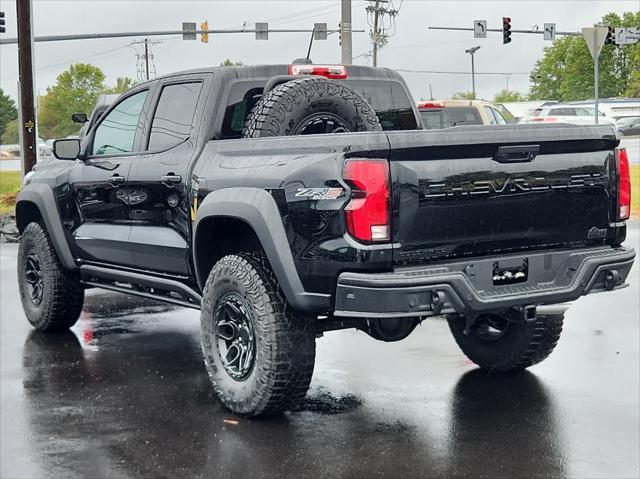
(173, 119)
(499, 117)
(389, 100)
(563, 111)
(491, 117)
(452, 116)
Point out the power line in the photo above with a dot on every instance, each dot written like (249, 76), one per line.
(67, 62)
(459, 72)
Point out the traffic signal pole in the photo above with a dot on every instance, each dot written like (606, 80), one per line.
(27, 120)
(345, 33)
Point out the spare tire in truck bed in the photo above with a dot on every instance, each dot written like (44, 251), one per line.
(307, 106)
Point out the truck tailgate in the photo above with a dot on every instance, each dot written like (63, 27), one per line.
(473, 191)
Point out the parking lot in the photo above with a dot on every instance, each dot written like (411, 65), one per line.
(126, 395)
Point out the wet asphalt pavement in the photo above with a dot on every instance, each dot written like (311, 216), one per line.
(126, 395)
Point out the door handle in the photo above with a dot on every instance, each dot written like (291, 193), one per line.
(116, 180)
(171, 179)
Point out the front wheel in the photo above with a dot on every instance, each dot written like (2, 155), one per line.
(258, 352)
(496, 343)
(52, 297)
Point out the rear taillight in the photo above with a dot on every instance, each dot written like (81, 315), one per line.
(624, 184)
(367, 214)
(430, 104)
(335, 72)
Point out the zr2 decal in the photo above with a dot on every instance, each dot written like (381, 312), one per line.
(319, 193)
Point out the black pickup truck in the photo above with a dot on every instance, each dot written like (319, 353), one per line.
(220, 189)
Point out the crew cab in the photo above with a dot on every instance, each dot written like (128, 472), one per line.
(290, 200)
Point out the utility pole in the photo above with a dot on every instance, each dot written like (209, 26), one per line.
(472, 51)
(146, 57)
(381, 30)
(27, 121)
(376, 33)
(345, 34)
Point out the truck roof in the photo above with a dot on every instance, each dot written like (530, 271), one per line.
(267, 71)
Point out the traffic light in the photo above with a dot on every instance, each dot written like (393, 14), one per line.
(506, 30)
(2, 29)
(340, 34)
(611, 36)
(204, 37)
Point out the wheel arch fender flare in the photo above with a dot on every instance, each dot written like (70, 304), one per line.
(43, 198)
(258, 209)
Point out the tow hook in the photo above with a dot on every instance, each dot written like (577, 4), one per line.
(437, 302)
(611, 279)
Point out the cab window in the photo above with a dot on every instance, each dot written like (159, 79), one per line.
(173, 119)
(117, 131)
(490, 116)
(499, 118)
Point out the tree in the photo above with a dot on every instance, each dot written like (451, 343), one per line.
(506, 96)
(463, 95)
(230, 63)
(11, 135)
(8, 111)
(122, 85)
(76, 90)
(565, 72)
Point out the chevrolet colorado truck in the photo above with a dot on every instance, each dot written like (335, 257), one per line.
(287, 201)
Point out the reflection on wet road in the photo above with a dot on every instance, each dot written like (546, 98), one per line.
(125, 394)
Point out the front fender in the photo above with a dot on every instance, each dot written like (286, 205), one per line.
(258, 209)
(42, 196)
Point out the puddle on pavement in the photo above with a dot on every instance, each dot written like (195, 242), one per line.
(320, 401)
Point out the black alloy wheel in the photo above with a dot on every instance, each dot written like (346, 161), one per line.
(34, 278)
(235, 336)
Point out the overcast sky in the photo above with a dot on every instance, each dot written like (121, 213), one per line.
(413, 47)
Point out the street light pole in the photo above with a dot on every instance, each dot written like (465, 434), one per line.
(472, 51)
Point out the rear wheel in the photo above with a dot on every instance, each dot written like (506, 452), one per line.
(258, 352)
(496, 343)
(52, 297)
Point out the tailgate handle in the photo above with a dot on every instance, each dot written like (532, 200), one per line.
(516, 153)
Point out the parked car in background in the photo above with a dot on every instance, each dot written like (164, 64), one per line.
(564, 113)
(615, 108)
(445, 113)
(44, 151)
(629, 126)
(10, 152)
(520, 109)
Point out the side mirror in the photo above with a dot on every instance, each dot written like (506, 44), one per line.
(67, 149)
(79, 118)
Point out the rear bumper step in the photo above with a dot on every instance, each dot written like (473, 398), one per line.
(468, 287)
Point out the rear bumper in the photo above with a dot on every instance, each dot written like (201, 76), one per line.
(468, 287)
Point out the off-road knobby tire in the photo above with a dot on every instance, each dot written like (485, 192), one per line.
(282, 109)
(522, 345)
(63, 294)
(285, 340)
